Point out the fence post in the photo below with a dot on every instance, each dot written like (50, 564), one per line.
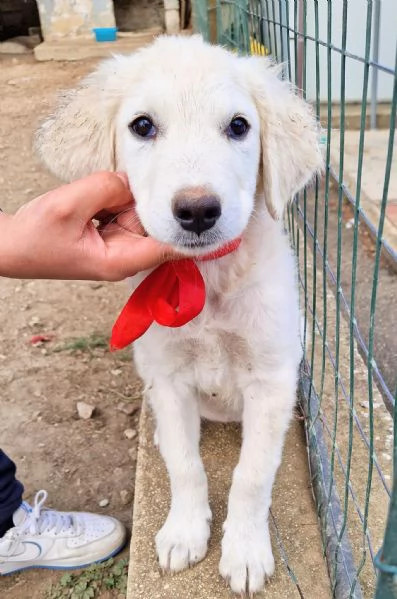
(386, 560)
(200, 18)
(299, 58)
(284, 36)
(212, 21)
(375, 59)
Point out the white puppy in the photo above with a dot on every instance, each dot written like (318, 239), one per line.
(214, 146)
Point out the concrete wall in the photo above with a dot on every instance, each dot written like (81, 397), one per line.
(356, 31)
(69, 18)
(355, 44)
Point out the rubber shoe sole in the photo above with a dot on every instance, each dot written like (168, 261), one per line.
(15, 567)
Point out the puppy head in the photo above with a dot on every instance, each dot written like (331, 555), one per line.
(196, 128)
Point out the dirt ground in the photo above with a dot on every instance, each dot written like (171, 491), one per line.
(79, 462)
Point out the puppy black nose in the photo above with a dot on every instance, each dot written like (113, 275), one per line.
(196, 214)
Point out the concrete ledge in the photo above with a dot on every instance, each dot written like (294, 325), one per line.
(372, 178)
(353, 115)
(294, 521)
(81, 48)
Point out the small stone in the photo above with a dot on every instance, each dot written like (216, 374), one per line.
(128, 408)
(125, 496)
(116, 371)
(85, 410)
(130, 433)
(104, 502)
(34, 321)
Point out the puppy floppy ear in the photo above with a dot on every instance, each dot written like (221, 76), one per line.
(79, 137)
(290, 135)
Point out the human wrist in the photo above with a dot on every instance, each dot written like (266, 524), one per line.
(7, 258)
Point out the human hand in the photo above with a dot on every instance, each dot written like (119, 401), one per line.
(53, 236)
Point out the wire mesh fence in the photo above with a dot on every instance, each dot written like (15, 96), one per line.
(342, 55)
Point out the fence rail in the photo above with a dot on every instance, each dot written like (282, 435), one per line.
(342, 55)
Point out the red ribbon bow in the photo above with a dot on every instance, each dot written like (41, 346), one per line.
(172, 295)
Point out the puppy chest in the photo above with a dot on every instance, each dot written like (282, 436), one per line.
(215, 360)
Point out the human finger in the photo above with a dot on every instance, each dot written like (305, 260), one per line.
(102, 191)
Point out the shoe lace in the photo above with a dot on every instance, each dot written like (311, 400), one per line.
(41, 519)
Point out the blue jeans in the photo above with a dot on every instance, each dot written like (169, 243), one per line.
(11, 491)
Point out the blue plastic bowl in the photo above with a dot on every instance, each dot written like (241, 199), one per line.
(105, 34)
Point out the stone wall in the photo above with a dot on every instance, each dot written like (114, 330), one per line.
(70, 18)
(135, 15)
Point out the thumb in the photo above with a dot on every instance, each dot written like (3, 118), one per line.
(128, 254)
(99, 191)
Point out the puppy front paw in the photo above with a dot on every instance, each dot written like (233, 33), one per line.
(183, 539)
(247, 559)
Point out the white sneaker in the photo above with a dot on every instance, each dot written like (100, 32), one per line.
(44, 538)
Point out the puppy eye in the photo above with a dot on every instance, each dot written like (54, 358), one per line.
(237, 128)
(143, 127)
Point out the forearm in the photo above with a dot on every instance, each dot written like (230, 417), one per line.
(35, 245)
(26, 247)
(54, 237)
(8, 259)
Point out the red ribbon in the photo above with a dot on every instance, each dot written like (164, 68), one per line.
(171, 295)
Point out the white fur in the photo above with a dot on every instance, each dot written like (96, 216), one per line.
(238, 360)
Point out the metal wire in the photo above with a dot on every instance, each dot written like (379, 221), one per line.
(349, 475)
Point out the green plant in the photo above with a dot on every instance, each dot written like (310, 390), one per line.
(83, 344)
(89, 583)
